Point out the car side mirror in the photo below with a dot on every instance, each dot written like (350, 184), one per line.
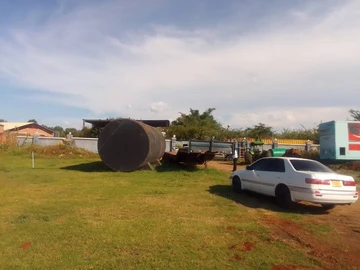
(247, 167)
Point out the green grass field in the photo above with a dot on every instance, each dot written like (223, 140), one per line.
(73, 213)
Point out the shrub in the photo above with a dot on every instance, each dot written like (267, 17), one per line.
(312, 154)
(8, 142)
(354, 166)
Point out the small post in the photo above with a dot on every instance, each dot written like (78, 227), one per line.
(69, 136)
(235, 155)
(211, 144)
(35, 139)
(308, 145)
(242, 148)
(248, 147)
(33, 159)
(275, 144)
(173, 142)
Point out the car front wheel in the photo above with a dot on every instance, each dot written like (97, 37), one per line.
(236, 183)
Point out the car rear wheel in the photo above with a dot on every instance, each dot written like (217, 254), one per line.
(328, 206)
(236, 183)
(283, 197)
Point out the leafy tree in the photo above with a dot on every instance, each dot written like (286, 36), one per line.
(2, 120)
(355, 114)
(56, 129)
(33, 120)
(259, 131)
(60, 130)
(73, 131)
(228, 134)
(195, 125)
(95, 132)
(86, 133)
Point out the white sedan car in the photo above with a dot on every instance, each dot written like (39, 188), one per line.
(296, 179)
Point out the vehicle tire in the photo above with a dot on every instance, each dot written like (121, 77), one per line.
(283, 197)
(236, 184)
(267, 154)
(328, 206)
(248, 158)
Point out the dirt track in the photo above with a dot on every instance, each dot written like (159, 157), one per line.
(338, 248)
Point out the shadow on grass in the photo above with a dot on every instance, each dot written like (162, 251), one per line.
(99, 166)
(176, 167)
(254, 200)
(96, 166)
(229, 162)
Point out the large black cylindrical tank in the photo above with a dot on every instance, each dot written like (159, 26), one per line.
(127, 145)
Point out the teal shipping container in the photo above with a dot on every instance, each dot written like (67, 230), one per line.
(340, 140)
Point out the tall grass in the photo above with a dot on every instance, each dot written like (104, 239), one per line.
(60, 151)
(8, 142)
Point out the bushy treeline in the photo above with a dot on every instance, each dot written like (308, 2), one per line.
(204, 126)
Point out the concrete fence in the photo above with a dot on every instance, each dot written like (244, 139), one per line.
(90, 144)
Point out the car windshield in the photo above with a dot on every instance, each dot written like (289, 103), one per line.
(309, 165)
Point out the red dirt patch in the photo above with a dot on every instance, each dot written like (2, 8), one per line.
(330, 255)
(292, 267)
(237, 257)
(246, 246)
(229, 228)
(281, 222)
(233, 247)
(26, 245)
(252, 233)
(283, 267)
(226, 166)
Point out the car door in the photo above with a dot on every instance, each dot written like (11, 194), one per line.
(250, 178)
(273, 174)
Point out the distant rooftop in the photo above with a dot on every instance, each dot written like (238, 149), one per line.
(102, 123)
(14, 125)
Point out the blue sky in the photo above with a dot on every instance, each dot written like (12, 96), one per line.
(283, 63)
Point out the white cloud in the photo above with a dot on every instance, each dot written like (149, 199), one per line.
(158, 107)
(300, 74)
(295, 118)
